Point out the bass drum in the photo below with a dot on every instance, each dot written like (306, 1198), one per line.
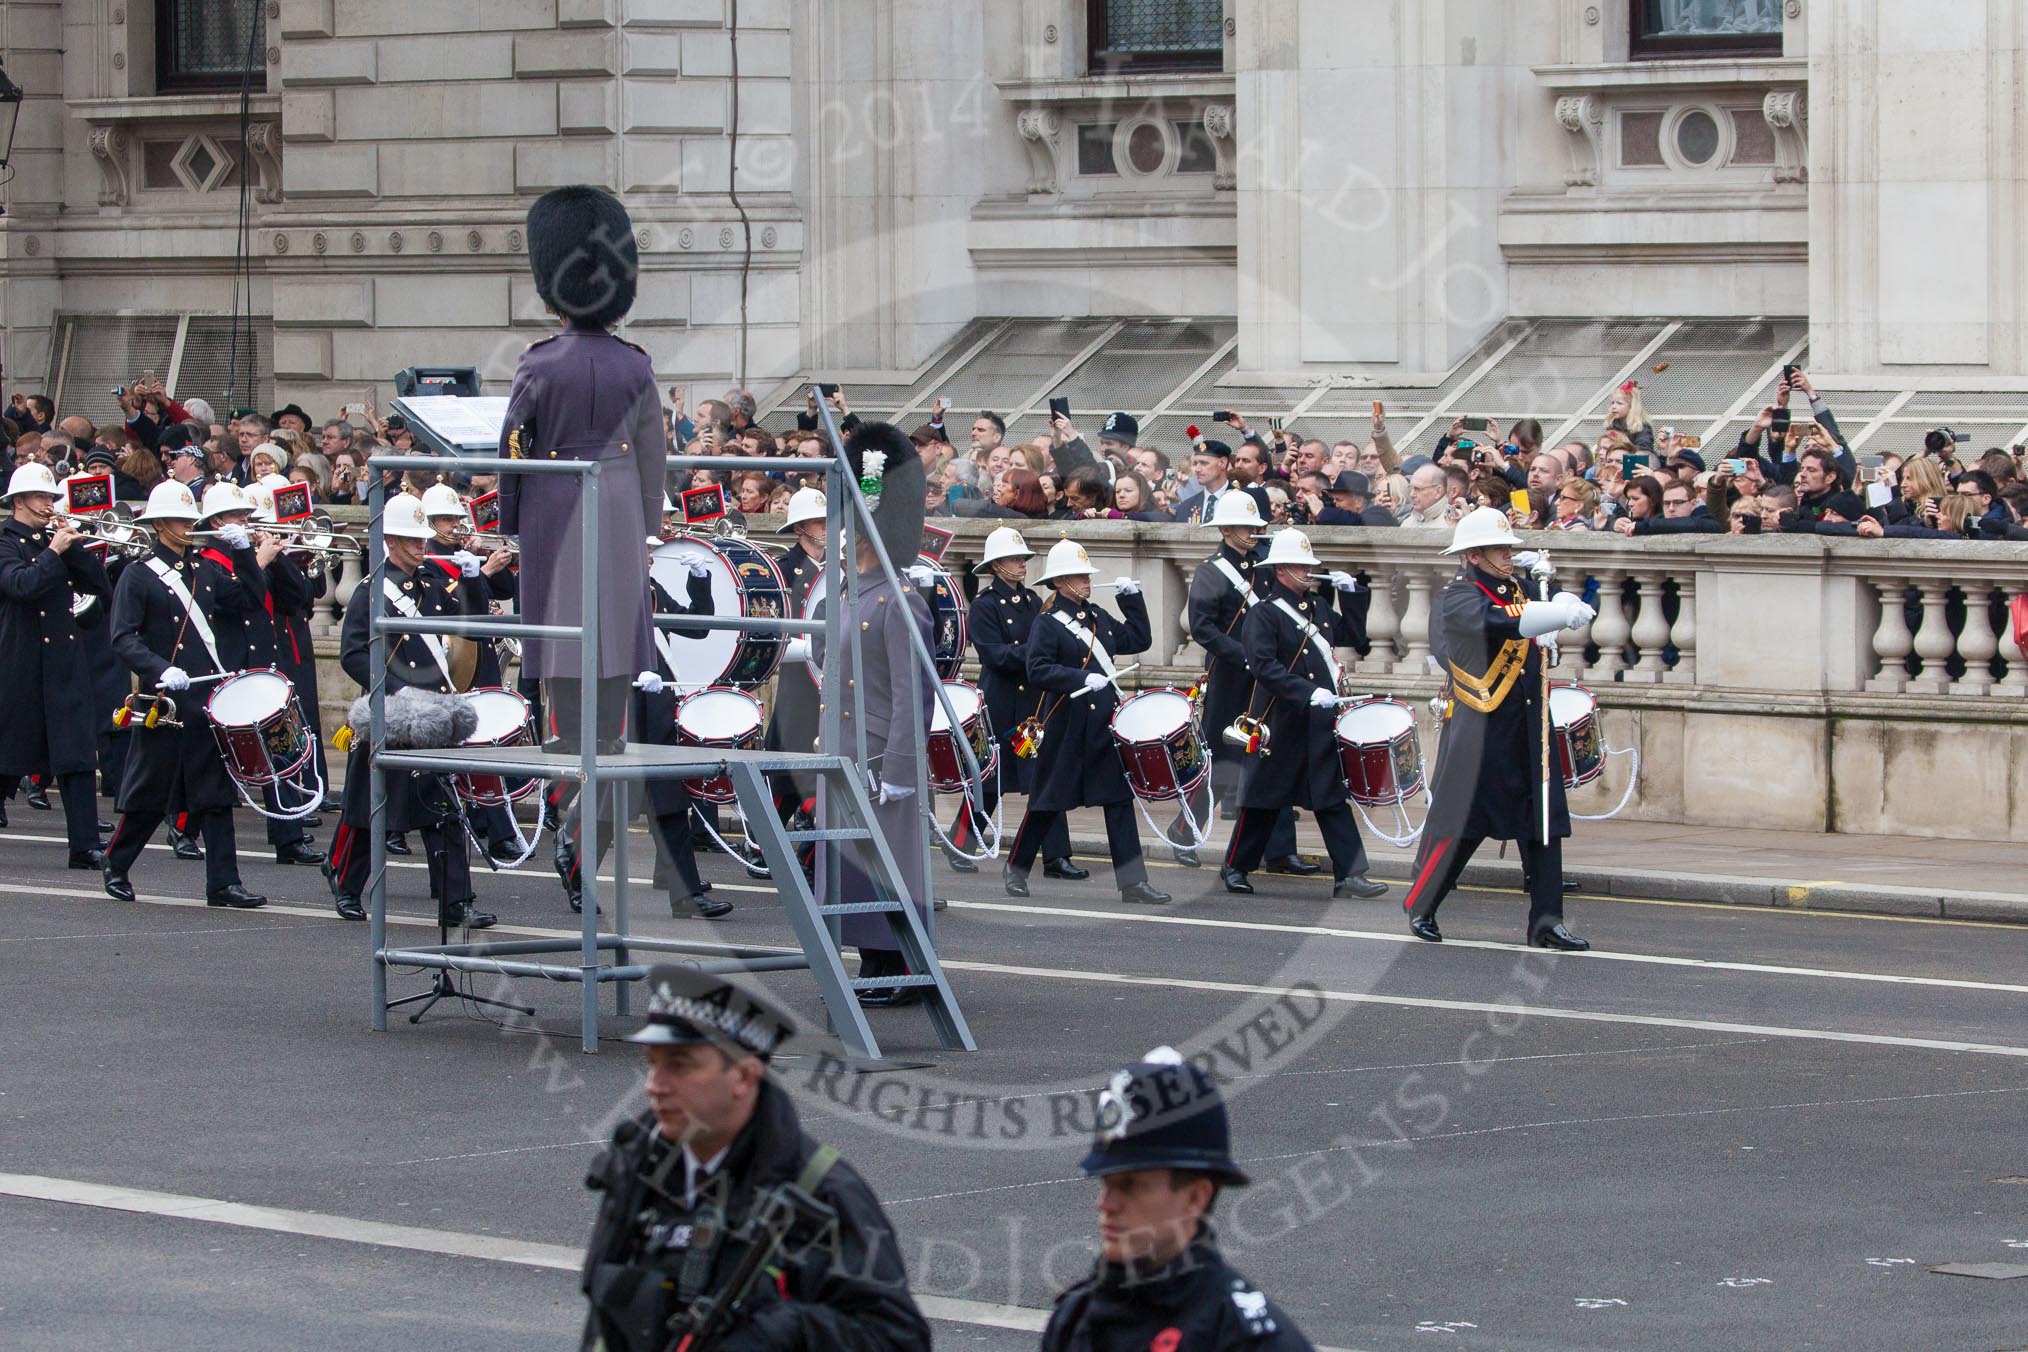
(745, 582)
(949, 624)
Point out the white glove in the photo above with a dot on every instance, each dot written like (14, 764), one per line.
(235, 537)
(468, 563)
(699, 568)
(1126, 586)
(1580, 614)
(1344, 582)
(1544, 617)
(798, 649)
(1320, 698)
(1525, 558)
(174, 678)
(922, 576)
(1569, 598)
(649, 683)
(1096, 682)
(893, 793)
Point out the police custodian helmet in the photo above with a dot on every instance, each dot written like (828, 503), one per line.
(688, 1006)
(1162, 1113)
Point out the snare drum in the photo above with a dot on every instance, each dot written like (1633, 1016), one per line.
(946, 767)
(719, 717)
(259, 727)
(1161, 751)
(1378, 752)
(1573, 718)
(745, 582)
(504, 720)
(949, 622)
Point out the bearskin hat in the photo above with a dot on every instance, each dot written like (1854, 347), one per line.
(582, 252)
(899, 514)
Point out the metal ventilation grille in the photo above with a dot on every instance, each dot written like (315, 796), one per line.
(95, 353)
(209, 370)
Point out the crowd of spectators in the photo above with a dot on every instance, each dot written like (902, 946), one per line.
(1791, 471)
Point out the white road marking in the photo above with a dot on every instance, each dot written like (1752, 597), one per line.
(488, 1248)
(1494, 1007)
(1595, 955)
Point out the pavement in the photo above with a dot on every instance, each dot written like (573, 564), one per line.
(1873, 875)
(1736, 1126)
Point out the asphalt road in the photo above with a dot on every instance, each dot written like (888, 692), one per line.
(1731, 1127)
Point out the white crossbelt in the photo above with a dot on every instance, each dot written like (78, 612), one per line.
(173, 580)
(1224, 566)
(409, 610)
(1090, 640)
(1316, 642)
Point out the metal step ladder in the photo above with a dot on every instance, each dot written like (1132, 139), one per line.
(816, 924)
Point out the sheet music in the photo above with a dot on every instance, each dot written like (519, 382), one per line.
(472, 423)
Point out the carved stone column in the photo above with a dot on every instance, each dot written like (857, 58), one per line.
(109, 148)
(1218, 126)
(1042, 138)
(1583, 117)
(1788, 116)
(264, 144)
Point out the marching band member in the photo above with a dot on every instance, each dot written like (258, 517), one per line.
(51, 702)
(1490, 770)
(294, 588)
(792, 724)
(168, 614)
(1002, 617)
(110, 683)
(584, 394)
(884, 461)
(669, 801)
(1288, 640)
(416, 800)
(1070, 656)
(1224, 590)
(450, 526)
(229, 512)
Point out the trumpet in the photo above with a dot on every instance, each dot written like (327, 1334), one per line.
(128, 537)
(485, 542)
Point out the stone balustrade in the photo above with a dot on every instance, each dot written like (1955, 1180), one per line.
(1790, 682)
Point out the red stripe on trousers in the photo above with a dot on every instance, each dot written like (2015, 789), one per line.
(1435, 858)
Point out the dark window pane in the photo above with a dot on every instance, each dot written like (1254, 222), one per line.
(211, 42)
(1155, 34)
(1095, 149)
(1711, 18)
(1145, 149)
(1697, 137)
(1197, 155)
(1641, 139)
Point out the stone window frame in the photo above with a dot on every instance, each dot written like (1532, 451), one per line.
(1643, 46)
(1100, 61)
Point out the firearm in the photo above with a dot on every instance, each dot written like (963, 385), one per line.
(776, 1211)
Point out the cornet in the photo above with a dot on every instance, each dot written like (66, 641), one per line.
(129, 538)
(485, 542)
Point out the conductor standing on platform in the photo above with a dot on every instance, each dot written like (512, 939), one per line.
(1493, 768)
(584, 394)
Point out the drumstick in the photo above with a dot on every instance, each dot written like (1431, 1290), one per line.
(202, 680)
(1084, 690)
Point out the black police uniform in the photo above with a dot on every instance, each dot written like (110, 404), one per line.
(792, 724)
(1216, 608)
(1195, 1301)
(417, 800)
(1162, 1113)
(1077, 765)
(652, 721)
(179, 770)
(53, 716)
(259, 632)
(1295, 768)
(1001, 618)
(1488, 780)
(669, 1231)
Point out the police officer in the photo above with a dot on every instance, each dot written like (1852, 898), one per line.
(52, 712)
(1224, 589)
(228, 509)
(1001, 619)
(1288, 640)
(414, 588)
(687, 1189)
(1071, 652)
(668, 800)
(584, 394)
(168, 615)
(1489, 777)
(1162, 1154)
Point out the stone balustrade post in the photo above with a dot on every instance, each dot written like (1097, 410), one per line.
(2014, 684)
(1933, 642)
(1415, 624)
(1650, 632)
(1892, 643)
(1382, 621)
(1610, 629)
(1977, 643)
(1683, 633)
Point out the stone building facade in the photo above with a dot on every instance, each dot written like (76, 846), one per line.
(1361, 188)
